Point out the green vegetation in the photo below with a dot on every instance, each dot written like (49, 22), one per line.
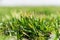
(30, 23)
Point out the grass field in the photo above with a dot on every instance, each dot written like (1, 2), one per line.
(29, 23)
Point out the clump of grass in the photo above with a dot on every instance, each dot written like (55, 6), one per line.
(31, 27)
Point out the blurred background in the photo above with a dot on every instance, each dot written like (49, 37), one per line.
(29, 2)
